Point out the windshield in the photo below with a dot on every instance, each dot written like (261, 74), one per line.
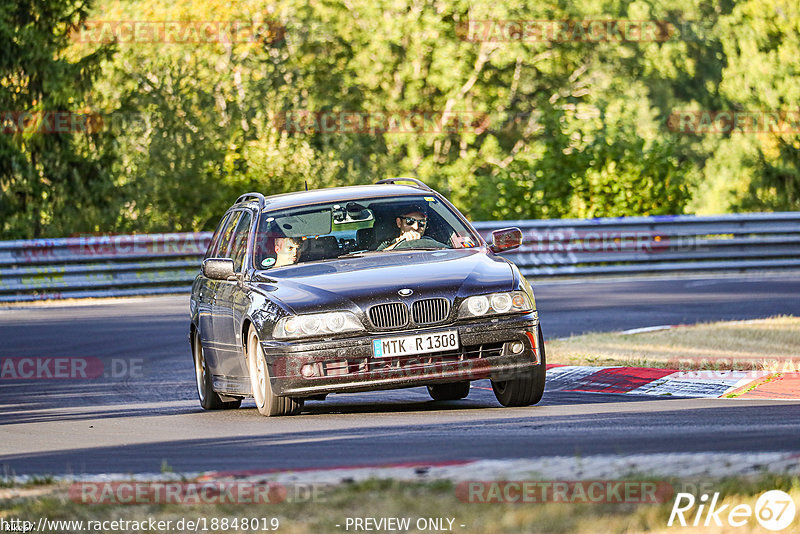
(333, 230)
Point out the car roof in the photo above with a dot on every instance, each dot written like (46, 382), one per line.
(341, 194)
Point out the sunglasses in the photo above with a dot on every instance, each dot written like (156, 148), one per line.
(411, 220)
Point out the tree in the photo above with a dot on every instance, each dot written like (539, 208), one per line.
(54, 178)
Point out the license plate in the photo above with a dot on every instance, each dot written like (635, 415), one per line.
(409, 345)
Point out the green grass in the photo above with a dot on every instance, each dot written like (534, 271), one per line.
(766, 344)
(8, 481)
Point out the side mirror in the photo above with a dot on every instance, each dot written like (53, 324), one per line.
(218, 268)
(506, 239)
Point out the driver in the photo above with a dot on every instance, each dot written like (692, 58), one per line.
(412, 226)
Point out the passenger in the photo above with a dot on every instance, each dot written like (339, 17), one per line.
(286, 250)
(412, 226)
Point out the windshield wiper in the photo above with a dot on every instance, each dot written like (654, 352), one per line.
(360, 253)
(357, 253)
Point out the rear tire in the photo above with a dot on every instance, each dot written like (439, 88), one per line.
(446, 392)
(209, 399)
(527, 389)
(268, 404)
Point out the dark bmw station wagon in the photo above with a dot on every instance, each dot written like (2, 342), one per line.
(356, 289)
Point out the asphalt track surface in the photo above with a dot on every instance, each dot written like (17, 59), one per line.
(149, 416)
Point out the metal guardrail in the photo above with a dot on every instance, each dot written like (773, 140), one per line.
(100, 266)
(121, 265)
(674, 243)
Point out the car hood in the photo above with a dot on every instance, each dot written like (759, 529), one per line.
(358, 282)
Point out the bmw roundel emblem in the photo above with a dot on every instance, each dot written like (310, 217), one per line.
(405, 292)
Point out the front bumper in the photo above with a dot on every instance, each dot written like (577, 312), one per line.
(348, 365)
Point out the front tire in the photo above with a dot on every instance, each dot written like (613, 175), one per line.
(527, 389)
(268, 404)
(446, 392)
(209, 399)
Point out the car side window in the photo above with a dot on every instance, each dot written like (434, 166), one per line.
(213, 246)
(239, 243)
(225, 242)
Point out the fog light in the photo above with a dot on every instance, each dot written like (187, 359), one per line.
(307, 370)
(517, 347)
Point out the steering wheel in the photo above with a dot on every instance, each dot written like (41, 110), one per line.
(422, 242)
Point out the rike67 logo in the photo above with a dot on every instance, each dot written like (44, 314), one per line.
(774, 510)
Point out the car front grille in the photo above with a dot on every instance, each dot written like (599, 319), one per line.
(393, 315)
(430, 311)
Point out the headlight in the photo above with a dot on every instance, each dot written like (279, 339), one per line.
(316, 324)
(501, 302)
(477, 305)
(495, 303)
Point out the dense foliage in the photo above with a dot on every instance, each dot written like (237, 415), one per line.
(563, 128)
(49, 184)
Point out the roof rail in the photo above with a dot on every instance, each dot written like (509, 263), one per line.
(414, 181)
(253, 196)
